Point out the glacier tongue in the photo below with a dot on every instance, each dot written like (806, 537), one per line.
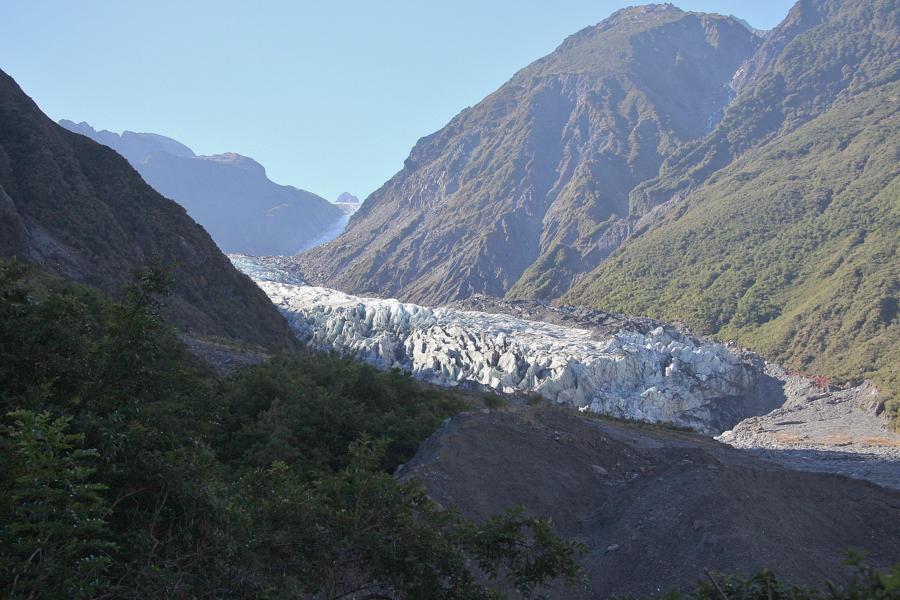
(662, 375)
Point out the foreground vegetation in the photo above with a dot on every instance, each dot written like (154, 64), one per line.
(131, 471)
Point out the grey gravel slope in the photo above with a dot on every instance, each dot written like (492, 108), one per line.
(655, 507)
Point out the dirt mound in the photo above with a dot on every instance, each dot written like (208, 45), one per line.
(655, 506)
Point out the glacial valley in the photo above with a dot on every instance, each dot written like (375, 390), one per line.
(624, 367)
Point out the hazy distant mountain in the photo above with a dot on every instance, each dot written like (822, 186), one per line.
(348, 203)
(229, 194)
(347, 198)
(133, 146)
(532, 183)
(79, 209)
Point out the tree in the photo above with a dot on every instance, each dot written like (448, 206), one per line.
(53, 517)
(362, 534)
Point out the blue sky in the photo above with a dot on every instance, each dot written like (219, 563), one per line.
(329, 95)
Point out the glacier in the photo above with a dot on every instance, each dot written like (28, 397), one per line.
(660, 375)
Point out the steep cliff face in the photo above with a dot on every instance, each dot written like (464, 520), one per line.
(80, 210)
(229, 194)
(538, 174)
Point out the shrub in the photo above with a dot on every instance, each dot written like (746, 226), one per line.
(495, 402)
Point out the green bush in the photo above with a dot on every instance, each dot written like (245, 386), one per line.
(57, 541)
(130, 470)
(865, 583)
(495, 402)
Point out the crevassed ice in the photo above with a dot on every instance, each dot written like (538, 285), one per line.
(659, 376)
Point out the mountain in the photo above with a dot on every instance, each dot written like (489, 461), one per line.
(346, 198)
(532, 184)
(349, 204)
(133, 146)
(79, 209)
(786, 234)
(673, 165)
(229, 194)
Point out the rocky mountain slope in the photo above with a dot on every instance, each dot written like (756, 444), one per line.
(744, 184)
(825, 51)
(786, 237)
(229, 194)
(655, 507)
(80, 210)
(532, 183)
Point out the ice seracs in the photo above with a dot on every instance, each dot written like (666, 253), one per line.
(661, 375)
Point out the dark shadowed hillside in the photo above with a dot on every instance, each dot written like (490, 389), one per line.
(229, 194)
(79, 208)
(532, 183)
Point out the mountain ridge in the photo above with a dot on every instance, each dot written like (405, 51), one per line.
(784, 237)
(599, 247)
(229, 194)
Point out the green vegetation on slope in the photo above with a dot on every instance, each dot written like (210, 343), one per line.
(791, 250)
(129, 471)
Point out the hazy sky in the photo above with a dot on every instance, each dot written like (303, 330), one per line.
(329, 95)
